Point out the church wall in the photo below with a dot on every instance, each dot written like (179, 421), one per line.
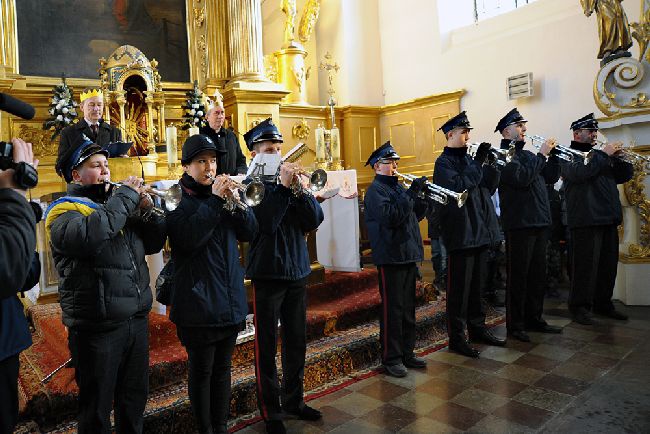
(550, 38)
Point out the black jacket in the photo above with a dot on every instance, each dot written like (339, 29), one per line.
(208, 277)
(100, 256)
(18, 271)
(106, 134)
(522, 190)
(591, 193)
(392, 220)
(279, 250)
(231, 159)
(475, 224)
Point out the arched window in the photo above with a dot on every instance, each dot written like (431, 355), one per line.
(484, 9)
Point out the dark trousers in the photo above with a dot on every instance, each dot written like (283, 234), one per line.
(594, 258)
(209, 383)
(439, 259)
(9, 394)
(465, 276)
(397, 318)
(111, 369)
(284, 300)
(526, 249)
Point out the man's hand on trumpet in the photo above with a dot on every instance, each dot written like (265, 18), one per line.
(222, 187)
(288, 171)
(548, 145)
(613, 148)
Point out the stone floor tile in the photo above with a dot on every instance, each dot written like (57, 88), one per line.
(543, 398)
(357, 404)
(332, 418)
(593, 360)
(573, 332)
(359, 426)
(501, 354)
(461, 375)
(523, 414)
(495, 425)
(425, 425)
(557, 383)
(484, 365)
(390, 417)
(383, 390)
(520, 374)
(520, 346)
(457, 416)
(553, 352)
(441, 388)
(302, 427)
(537, 362)
(606, 350)
(364, 383)
(621, 341)
(414, 378)
(565, 342)
(501, 386)
(447, 356)
(330, 397)
(479, 400)
(419, 403)
(435, 366)
(579, 371)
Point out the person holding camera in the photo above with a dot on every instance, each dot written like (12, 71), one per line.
(19, 268)
(99, 240)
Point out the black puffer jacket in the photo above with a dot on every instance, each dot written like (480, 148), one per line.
(392, 220)
(522, 190)
(99, 255)
(208, 277)
(279, 250)
(475, 224)
(591, 193)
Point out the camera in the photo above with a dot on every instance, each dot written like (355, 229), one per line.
(26, 176)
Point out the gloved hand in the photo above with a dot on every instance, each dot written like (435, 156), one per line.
(417, 186)
(482, 152)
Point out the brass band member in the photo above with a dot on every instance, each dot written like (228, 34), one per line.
(467, 232)
(99, 242)
(593, 214)
(392, 214)
(526, 220)
(209, 302)
(279, 267)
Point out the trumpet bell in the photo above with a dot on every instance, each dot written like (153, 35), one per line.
(172, 197)
(317, 180)
(254, 193)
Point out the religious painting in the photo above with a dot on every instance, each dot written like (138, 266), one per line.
(69, 36)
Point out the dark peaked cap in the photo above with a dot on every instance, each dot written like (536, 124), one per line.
(265, 130)
(585, 123)
(458, 121)
(512, 117)
(384, 152)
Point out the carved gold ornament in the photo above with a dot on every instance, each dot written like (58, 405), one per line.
(301, 130)
(40, 140)
(617, 87)
(634, 191)
(308, 20)
(271, 67)
(199, 17)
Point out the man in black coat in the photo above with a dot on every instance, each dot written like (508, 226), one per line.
(92, 125)
(593, 215)
(99, 241)
(230, 158)
(467, 232)
(19, 271)
(392, 216)
(278, 265)
(526, 219)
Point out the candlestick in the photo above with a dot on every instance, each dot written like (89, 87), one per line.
(320, 143)
(171, 145)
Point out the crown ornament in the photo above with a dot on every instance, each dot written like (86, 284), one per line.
(91, 93)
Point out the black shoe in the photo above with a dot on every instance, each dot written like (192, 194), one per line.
(544, 328)
(305, 413)
(398, 370)
(582, 317)
(485, 336)
(275, 427)
(415, 362)
(612, 314)
(464, 348)
(520, 335)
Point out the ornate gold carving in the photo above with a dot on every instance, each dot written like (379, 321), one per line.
(204, 54)
(634, 191)
(613, 27)
(614, 87)
(308, 20)
(641, 32)
(40, 140)
(271, 67)
(289, 8)
(301, 130)
(199, 17)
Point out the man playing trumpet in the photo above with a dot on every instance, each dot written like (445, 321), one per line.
(526, 219)
(99, 241)
(593, 215)
(278, 265)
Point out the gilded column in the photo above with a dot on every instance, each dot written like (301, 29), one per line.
(245, 37)
(217, 36)
(9, 46)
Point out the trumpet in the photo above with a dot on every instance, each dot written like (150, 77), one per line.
(436, 192)
(502, 156)
(626, 154)
(563, 152)
(171, 196)
(317, 180)
(253, 194)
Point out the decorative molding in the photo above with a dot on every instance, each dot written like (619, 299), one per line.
(40, 139)
(634, 191)
(301, 130)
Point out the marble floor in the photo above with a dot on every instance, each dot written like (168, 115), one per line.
(587, 379)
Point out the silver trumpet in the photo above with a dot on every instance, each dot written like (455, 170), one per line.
(171, 196)
(563, 152)
(502, 156)
(626, 154)
(436, 192)
(253, 194)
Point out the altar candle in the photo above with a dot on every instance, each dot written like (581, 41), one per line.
(320, 143)
(172, 147)
(335, 145)
(194, 130)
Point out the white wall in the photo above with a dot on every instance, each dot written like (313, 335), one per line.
(550, 38)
